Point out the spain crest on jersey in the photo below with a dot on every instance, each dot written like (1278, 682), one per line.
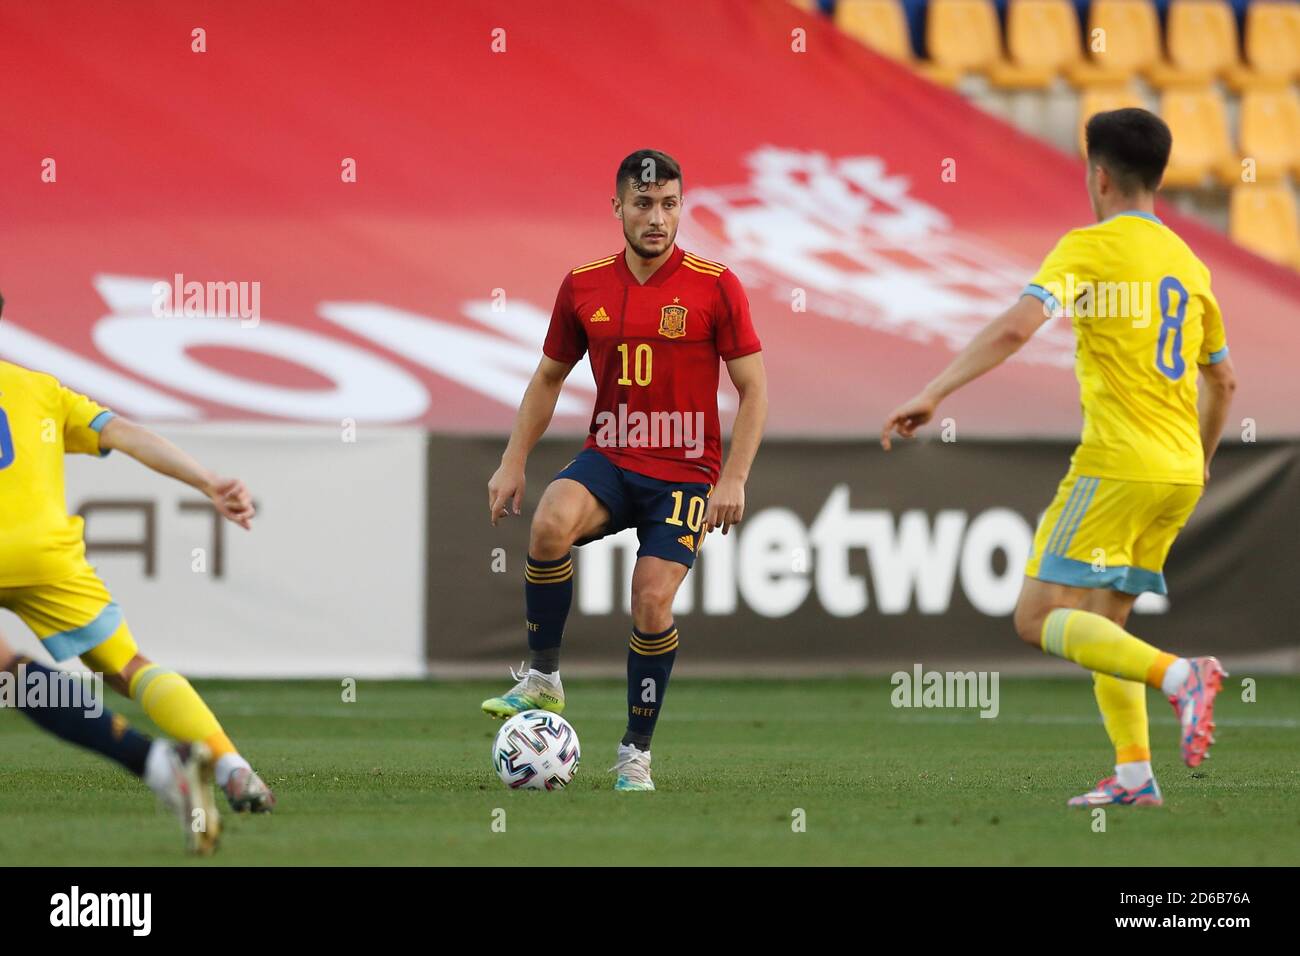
(672, 321)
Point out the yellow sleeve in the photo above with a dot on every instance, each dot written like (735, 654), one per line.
(1066, 272)
(82, 421)
(1214, 346)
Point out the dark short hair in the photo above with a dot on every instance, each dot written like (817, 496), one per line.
(1132, 144)
(644, 167)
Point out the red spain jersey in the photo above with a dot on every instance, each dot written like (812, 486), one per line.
(655, 351)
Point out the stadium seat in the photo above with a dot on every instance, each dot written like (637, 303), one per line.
(1202, 39)
(1273, 40)
(1100, 99)
(1124, 39)
(881, 25)
(1042, 40)
(1262, 217)
(963, 35)
(1198, 120)
(1270, 132)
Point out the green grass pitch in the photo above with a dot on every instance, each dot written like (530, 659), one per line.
(403, 776)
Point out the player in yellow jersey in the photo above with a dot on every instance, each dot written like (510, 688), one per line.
(1145, 322)
(46, 580)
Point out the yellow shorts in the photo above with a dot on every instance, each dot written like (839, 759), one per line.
(1107, 533)
(75, 617)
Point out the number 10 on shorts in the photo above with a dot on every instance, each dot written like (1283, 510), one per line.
(694, 513)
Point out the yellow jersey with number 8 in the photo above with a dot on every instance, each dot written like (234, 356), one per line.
(40, 422)
(1144, 318)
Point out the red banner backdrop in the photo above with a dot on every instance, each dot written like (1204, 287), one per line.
(219, 143)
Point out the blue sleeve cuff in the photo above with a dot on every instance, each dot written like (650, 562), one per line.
(103, 418)
(97, 425)
(1216, 357)
(1043, 296)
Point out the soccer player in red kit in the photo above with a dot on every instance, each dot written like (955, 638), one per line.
(655, 321)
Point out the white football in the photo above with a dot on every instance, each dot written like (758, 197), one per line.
(536, 750)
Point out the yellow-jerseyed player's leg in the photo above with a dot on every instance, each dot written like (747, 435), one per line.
(1123, 705)
(166, 696)
(112, 656)
(1101, 645)
(1087, 541)
(176, 707)
(77, 617)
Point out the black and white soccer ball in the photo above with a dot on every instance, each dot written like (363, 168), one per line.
(536, 750)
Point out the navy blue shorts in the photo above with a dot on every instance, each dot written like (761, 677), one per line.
(668, 516)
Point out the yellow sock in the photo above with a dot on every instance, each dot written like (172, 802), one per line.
(1101, 645)
(177, 709)
(1123, 706)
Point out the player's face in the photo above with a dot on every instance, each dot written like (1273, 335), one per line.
(650, 214)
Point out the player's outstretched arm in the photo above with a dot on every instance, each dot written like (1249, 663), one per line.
(727, 503)
(994, 344)
(228, 495)
(506, 485)
(1216, 397)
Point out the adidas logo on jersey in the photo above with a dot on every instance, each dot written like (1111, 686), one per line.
(688, 540)
(600, 315)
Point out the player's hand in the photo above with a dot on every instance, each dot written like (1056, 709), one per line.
(233, 501)
(726, 505)
(907, 418)
(505, 492)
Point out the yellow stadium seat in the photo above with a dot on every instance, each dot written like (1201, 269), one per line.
(1123, 38)
(1102, 99)
(1202, 40)
(883, 26)
(1262, 217)
(963, 35)
(879, 24)
(1042, 40)
(1273, 39)
(1270, 132)
(1198, 120)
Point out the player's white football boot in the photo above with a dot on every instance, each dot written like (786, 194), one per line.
(1194, 705)
(534, 691)
(248, 793)
(633, 769)
(1108, 792)
(181, 776)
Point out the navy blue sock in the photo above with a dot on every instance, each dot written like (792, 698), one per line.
(548, 592)
(108, 733)
(649, 664)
